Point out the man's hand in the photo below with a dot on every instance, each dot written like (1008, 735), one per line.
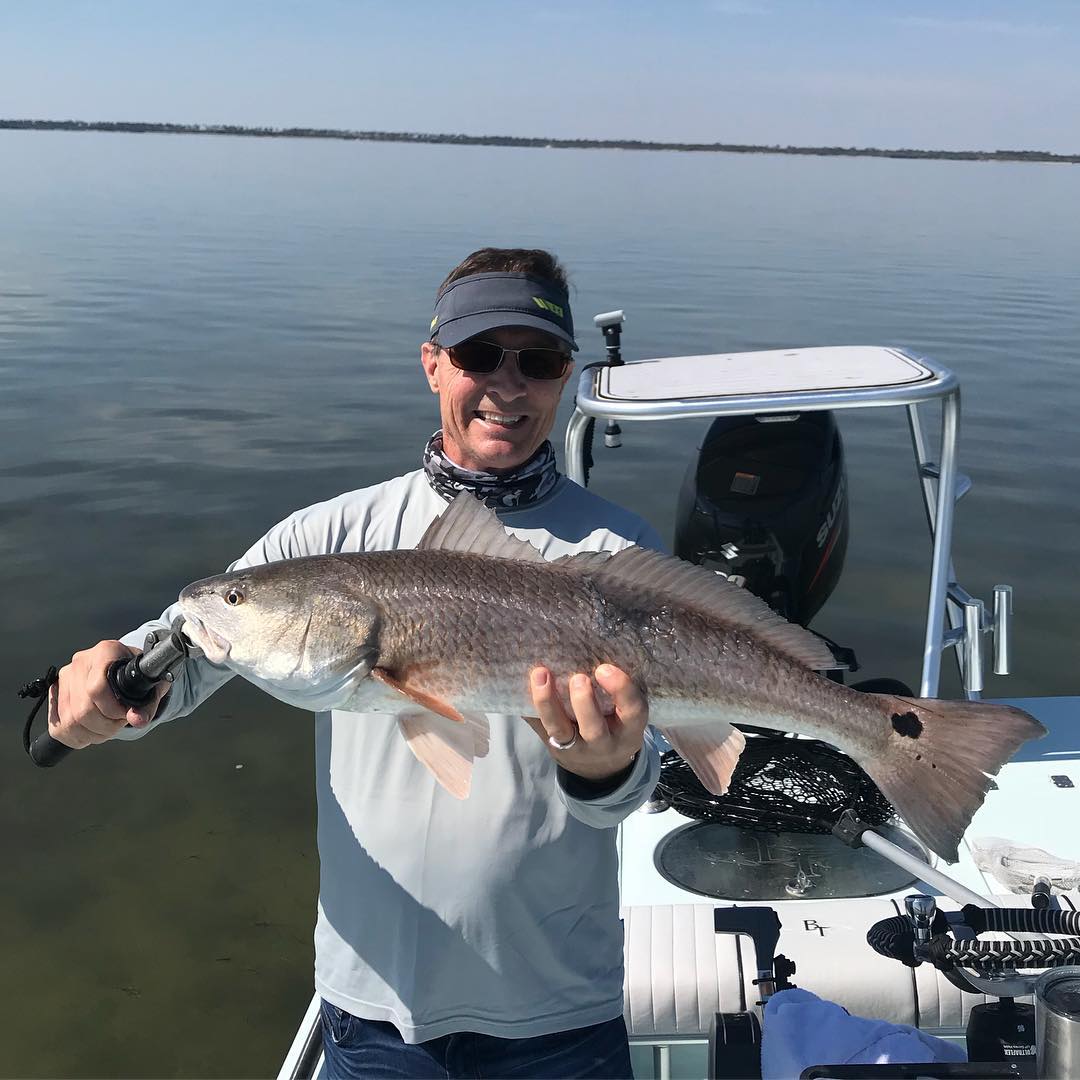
(83, 709)
(601, 745)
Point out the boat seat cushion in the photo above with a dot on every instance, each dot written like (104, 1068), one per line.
(679, 971)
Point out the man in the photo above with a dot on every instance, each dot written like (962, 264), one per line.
(477, 937)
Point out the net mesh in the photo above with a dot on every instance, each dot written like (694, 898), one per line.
(779, 785)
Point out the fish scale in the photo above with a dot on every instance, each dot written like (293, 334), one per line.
(494, 620)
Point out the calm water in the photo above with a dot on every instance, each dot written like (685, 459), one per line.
(199, 335)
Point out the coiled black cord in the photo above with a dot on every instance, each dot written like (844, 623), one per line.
(895, 938)
(37, 688)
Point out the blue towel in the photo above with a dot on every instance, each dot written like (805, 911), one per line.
(801, 1030)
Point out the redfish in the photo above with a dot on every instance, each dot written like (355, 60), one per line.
(448, 632)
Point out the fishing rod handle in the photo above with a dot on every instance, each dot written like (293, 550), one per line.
(130, 687)
(45, 751)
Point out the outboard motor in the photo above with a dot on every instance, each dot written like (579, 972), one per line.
(766, 503)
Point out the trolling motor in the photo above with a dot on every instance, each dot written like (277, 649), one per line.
(1042, 1039)
(132, 681)
(1004, 1038)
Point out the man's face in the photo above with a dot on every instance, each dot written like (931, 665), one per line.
(496, 422)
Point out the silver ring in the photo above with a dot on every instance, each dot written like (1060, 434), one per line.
(552, 741)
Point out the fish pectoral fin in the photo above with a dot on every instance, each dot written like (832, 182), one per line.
(710, 750)
(445, 748)
(425, 701)
(444, 739)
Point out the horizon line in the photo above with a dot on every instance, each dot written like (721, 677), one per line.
(257, 131)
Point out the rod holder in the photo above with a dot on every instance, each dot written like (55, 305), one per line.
(1003, 610)
(973, 664)
(921, 910)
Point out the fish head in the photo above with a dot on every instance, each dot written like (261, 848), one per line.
(288, 626)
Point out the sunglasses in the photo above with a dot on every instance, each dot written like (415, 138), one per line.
(484, 357)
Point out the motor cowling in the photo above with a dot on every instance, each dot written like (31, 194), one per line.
(765, 501)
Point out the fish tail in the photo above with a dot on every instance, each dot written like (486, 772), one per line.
(937, 759)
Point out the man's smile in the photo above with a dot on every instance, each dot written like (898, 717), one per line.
(503, 420)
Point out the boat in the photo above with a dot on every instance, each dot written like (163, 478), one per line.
(695, 891)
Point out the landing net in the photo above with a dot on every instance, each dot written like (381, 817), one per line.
(779, 785)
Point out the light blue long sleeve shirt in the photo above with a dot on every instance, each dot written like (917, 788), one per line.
(497, 914)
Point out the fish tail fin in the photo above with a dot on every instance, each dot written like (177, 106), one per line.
(711, 751)
(938, 756)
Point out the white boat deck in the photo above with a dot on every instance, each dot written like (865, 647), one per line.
(1028, 807)
(679, 972)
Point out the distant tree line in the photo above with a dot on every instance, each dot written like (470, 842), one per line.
(515, 140)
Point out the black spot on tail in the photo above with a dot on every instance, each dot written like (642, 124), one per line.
(907, 724)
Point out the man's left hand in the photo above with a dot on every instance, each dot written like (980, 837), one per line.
(600, 745)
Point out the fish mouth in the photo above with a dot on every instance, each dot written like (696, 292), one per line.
(215, 648)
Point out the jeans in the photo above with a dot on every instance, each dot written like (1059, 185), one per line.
(354, 1047)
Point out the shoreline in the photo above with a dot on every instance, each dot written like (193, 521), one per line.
(139, 128)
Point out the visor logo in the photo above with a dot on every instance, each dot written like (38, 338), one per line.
(433, 322)
(547, 305)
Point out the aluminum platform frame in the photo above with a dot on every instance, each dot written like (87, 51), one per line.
(778, 382)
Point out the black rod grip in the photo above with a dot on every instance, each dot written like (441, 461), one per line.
(45, 751)
(131, 688)
(1022, 920)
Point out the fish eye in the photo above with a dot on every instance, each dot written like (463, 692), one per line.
(233, 597)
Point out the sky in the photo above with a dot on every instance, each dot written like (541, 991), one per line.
(952, 74)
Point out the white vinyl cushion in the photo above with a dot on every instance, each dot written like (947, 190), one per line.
(679, 971)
